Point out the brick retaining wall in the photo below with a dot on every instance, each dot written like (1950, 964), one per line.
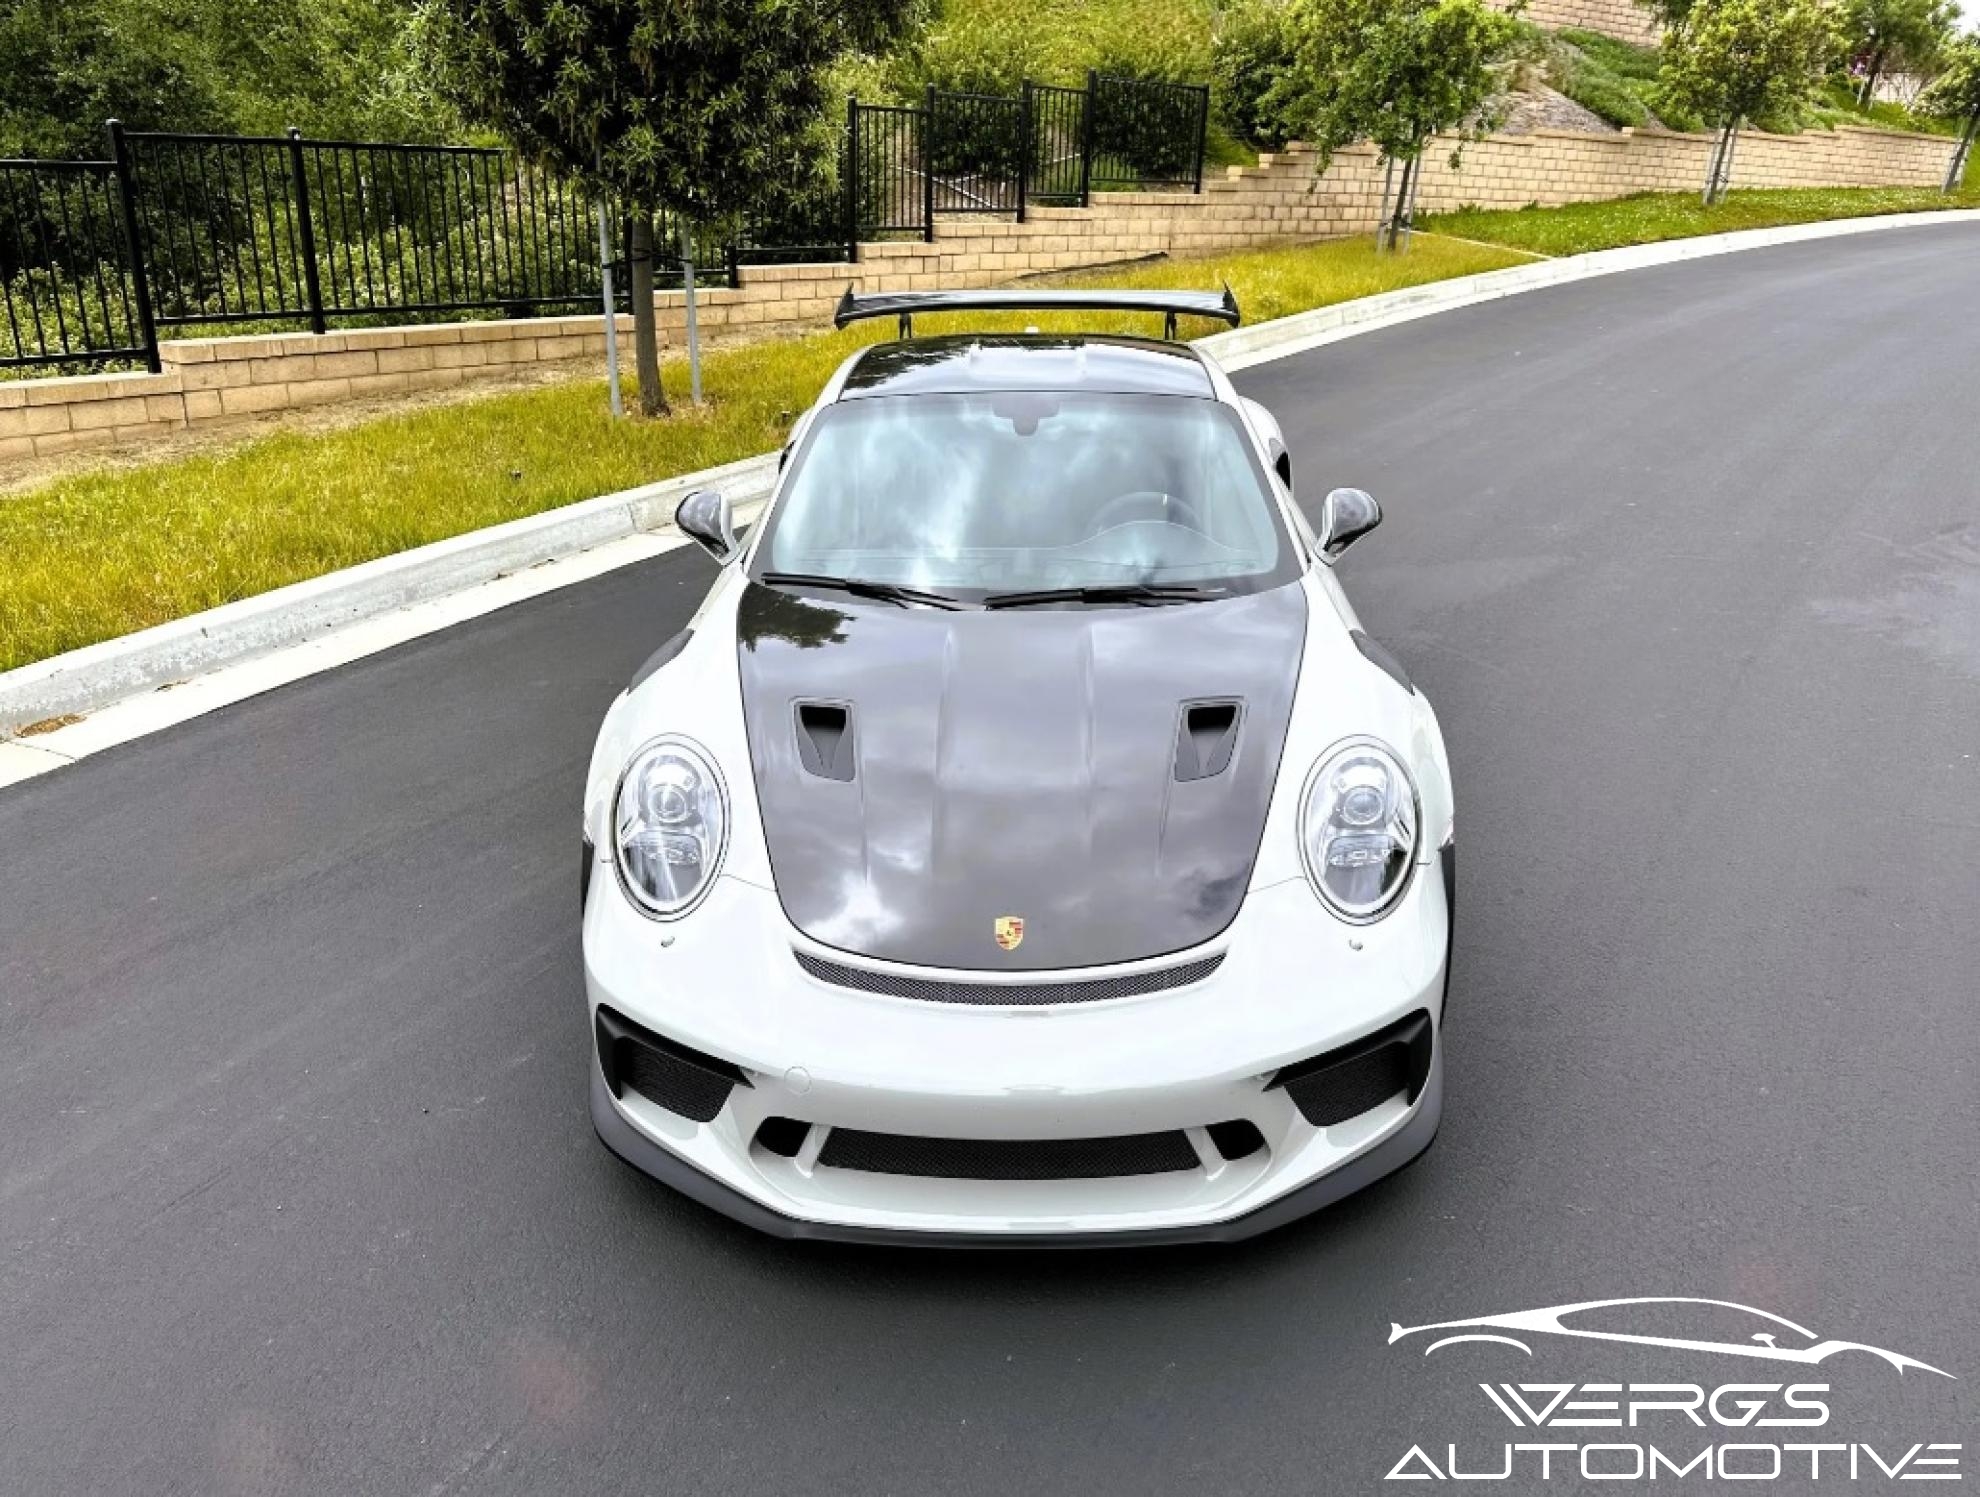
(1623, 19)
(1280, 199)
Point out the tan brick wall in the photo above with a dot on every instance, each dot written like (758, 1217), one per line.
(1280, 199)
(1617, 18)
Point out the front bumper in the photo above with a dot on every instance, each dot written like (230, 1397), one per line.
(1292, 984)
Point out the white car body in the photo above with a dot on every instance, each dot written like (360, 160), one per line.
(1293, 981)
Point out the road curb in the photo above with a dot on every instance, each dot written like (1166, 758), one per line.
(86, 680)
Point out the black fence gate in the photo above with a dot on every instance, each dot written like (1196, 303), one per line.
(994, 153)
(1059, 164)
(1146, 135)
(976, 153)
(888, 184)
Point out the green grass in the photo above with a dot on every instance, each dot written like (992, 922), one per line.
(99, 554)
(1652, 217)
(1838, 106)
(1612, 78)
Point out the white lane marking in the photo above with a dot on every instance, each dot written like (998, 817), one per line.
(1285, 337)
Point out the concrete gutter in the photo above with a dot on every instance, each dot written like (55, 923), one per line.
(87, 680)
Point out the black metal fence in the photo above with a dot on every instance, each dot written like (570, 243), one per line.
(1059, 166)
(887, 188)
(174, 230)
(63, 283)
(1146, 135)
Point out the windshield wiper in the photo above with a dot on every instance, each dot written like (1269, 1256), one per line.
(886, 592)
(1143, 593)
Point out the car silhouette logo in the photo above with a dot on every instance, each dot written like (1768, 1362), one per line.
(1775, 1340)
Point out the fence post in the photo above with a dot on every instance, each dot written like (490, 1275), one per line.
(852, 181)
(928, 166)
(1024, 146)
(1086, 126)
(312, 288)
(134, 245)
(1202, 134)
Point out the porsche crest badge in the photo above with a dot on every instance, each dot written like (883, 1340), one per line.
(1009, 930)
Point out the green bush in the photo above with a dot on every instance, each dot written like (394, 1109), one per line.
(1251, 53)
(992, 46)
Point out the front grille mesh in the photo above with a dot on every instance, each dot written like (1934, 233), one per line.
(1008, 1159)
(1009, 994)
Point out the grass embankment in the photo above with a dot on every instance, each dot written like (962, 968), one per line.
(99, 554)
(1583, 227)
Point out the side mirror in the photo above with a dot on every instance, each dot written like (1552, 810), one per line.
(705, 518)
(1347, 516)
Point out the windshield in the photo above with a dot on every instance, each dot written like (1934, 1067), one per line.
(972, 495)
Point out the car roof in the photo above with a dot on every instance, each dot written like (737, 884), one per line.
(965, 363)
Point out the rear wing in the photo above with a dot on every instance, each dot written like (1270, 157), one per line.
(854, 307)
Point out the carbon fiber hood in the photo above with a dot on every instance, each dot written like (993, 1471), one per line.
(1019, 763)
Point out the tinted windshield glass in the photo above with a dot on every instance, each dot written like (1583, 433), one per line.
(994, 492)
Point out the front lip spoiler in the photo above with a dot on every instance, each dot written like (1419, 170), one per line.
(1401, 1148)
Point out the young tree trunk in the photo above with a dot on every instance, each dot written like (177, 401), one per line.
(1719, 176)
(1870, 78)
(646, 339)
(1382, 213)
(1415, 187)
(1395, 232)
(1956, 168)
(693, 327)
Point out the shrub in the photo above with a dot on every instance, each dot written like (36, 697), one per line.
(992, 46)
(1250, 53)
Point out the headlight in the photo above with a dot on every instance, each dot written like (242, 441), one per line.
(1358, 828)
(671, 824)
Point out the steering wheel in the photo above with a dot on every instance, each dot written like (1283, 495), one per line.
(1166, 507)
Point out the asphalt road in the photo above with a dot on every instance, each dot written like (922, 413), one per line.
(297, 1192)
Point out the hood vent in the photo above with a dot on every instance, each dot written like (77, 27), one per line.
(1207, 739)
(825, 739)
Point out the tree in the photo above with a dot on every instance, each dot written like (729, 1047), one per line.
(1669, 14)
(333, 67)
(1734, 60)
(1909, 33)
(1394, 72)
(692, 107)
(1955, 93)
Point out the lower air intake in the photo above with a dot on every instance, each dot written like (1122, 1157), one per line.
(1008, 1159)
(683, 1081)
(1347, 1082)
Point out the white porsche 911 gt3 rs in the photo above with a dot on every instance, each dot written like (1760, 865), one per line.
(1023, 844)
